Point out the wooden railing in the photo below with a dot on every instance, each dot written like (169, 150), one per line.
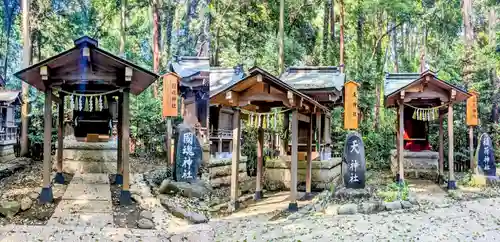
(8, 134)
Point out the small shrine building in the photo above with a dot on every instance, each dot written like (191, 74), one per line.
(421, 98)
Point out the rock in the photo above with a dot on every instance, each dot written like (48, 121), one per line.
(26, 203)
(196, 218)
(390, 206)
(145, 223)
(368, 208)
(332, 209)
(350, 208)
(198, 189)
(33, 195)
(146, 214)
(9, 208)
(350, 193)
(413, 200)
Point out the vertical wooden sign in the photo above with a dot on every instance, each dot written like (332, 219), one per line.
(351, 105)
(170, 95)
(472, 114)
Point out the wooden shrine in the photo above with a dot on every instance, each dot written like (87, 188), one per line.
(87, 76)
(220, 116)
(194, 73)
(9, 101)
(259, 92)
(421, 99)
(323, 84)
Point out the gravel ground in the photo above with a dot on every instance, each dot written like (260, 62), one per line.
(477, 220)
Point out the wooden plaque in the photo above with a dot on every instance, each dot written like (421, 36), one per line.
(170, 95)
(92, 137)
(351, 105)
(472, 114)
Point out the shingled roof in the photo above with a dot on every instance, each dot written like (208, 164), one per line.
(221, 77)
(189, 69)
(396, 81)
(8, 97)
(314, 77)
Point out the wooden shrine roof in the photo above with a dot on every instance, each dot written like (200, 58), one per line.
(221, 77)
(261, 91)
(193, 70)
(72, 70)
(8, 97)
(314, 78)
(415, 83)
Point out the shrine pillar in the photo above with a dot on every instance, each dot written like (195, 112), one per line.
(260, 159)
(235, 160)
(400, 178)
(46, 195)
(119, 171)
(60, 139)
(441, 146)
(292, 206)
(451, 178)
(309, 158)
(125, 197)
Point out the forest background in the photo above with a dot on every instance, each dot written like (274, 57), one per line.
(456, 38)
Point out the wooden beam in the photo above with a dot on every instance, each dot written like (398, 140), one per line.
(128, 74)
(47, 196)
(295, 159)
(284, 142)
(125, 198)
(451, 158)
(235, 159)
(309, 158)
(401, 141)
(303, 118)
(260, 159)
(119, 158)
(60, 134)
(441, 145)
(232, 97)
(86, 76)
(291, 98)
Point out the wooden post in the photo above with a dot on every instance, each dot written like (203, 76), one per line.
(170, 159)
(119, 159)
(471, 147)
(451, 178)
(401, 142)
(46, 194)
(125, 197)
(236, 160)
(318, 134)
(284, 143)
(292, 206)
(260, 160)
(441, 147)
(309, 159)
(60, 138)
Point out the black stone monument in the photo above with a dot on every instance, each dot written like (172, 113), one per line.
(486, 156)
(354, 164)
(188, 155)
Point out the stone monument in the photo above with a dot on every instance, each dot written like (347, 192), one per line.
(485, 156)
(188, 154)
(354, 164)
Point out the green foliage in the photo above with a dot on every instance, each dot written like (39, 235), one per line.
(394, 191)
(249, 148)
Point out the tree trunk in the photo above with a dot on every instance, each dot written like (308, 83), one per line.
(156, 44)
(423, 49)
(342, 9)
(10, 20)
(281, 57)
(326, 20)
(394, 48)
(495, 79)
(468, 41)
(169, 20)
(332, 20)
(25, 86)
(123, 26)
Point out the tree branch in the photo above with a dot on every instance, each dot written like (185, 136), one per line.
(389, 31)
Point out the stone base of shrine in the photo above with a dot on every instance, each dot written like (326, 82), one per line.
(7, 153)
(86, 157)
(219, 171)
(417, 165)
(324, 173)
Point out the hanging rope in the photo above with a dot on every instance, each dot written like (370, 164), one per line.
(256, 113)
(426, 114)
(88, 94)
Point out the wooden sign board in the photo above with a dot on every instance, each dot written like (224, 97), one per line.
(472, 114)
(170, 95)
(351, 105)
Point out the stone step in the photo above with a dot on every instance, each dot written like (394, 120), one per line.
(90, 178)
(87, 192)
